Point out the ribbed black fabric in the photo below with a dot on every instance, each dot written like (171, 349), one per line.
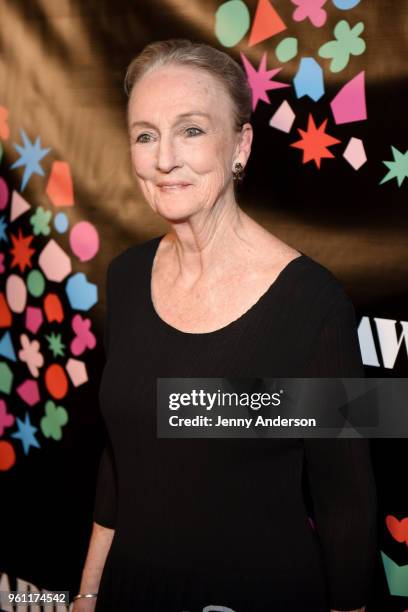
(201, 522)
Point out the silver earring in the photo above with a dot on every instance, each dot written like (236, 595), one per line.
(238, 172)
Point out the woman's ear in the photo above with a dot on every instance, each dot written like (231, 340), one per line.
(243, 149)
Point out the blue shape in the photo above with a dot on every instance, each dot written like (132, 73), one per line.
(345, 5)
(25, 433)
(82, 294)
(6, 347)
(3, 225)
(308, 81)
(61, 222)
(30, 156)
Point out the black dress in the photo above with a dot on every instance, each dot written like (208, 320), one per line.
(201, 523)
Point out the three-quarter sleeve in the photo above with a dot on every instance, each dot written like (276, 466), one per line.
(105, 496)
(104, 512)
(340, 475)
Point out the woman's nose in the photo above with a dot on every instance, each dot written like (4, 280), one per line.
(167, 156)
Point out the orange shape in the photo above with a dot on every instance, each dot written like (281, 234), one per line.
(56, 381)
(266, 23)
(21, 251)
(314, 142)
(6, 317)
(60, 187)
(4, 126)
(7, 455)
(398, 529)
(53, 308)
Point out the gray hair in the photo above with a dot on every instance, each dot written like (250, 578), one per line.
(183, 51)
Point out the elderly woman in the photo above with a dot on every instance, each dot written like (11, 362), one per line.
(194, 525)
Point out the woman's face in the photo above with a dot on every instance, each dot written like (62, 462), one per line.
(183, 142)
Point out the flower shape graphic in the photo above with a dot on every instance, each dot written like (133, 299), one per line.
(348, 42)
(84, 338)
(55, 417)
(6, 419)
(312, 10)
(31, 355)
(40, 221)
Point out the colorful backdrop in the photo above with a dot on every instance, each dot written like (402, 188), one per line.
(328, 174)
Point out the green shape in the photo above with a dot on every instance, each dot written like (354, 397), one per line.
(6, 377)
(55, 344)
(35, 283)
(287, 49)
(232, 21)
(1, 151)
(348, 42)
(398, 168)
(397, 576)
(40, 221)
(55, 418)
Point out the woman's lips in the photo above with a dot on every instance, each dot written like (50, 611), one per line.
(174, 187)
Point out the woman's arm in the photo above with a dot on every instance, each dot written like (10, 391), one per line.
(103, 530)
(104, 513)
(99, 545)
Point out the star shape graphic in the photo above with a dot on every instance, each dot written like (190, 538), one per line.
(260, 80)
(21, 251)
(55, 344)
(30, 156)
(3, 225)
(25, 433)
(314, 142)
(398, 168)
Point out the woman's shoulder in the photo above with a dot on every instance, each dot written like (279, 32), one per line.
(320, 283)
(300, 269)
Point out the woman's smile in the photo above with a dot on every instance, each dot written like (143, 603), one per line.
(173, 186)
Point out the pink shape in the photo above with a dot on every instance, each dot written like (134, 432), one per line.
(283, 118)
(355, 153)
(54, 262)
(18, 206)
(16, 293)
(4, 193)
(77, 371)
(84, 337)
(349, 104)
(84, 240)
(6, 419)
(29, 392)
(34, 319)
(31, 355)
(310, 9)
(260, 80)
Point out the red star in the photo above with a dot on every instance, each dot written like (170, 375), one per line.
(314, 142)
(21, 251)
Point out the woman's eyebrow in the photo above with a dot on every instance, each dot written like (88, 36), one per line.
(193, 113)
(179, 117)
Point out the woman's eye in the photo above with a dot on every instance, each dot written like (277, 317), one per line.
(142, 138)
(197, 131)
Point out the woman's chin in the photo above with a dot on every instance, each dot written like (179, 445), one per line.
(175, 211)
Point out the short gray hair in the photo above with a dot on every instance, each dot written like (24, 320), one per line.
(183, 51)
